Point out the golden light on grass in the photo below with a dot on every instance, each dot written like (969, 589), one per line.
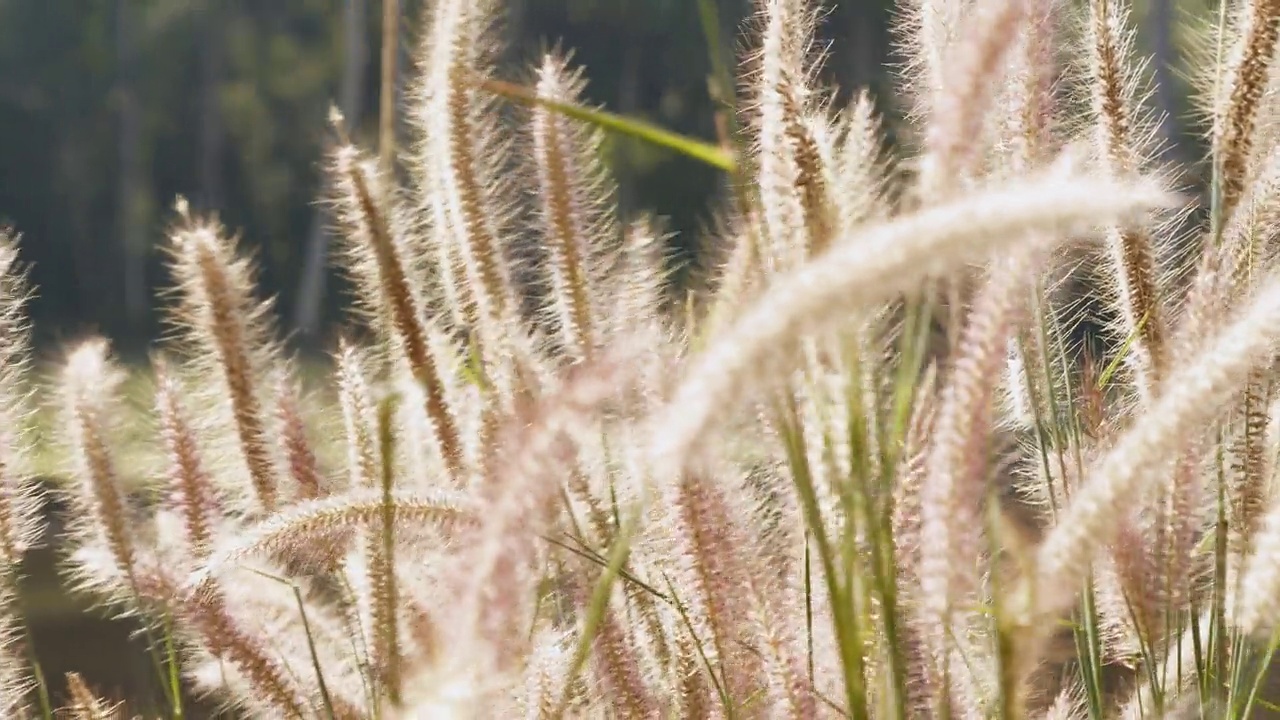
(781, 491)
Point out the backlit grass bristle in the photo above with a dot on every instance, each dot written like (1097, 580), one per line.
(19, 525)
(90, 385)
(863, 169)
(1034, 108)
(925, 30)
(615, 659)
(226, 330)
(1204, 388)
(958, 106)
(191, 487)
(956, 476)
(713, 587)
(520, 488)
(889, 259)
(575, 214)
(305, 530)
(272, 689)
(84, 704)
(458, 162)
(1122, 131)
(20, 497)
(1244, 86)
(799, 216)
(641, 284)
(296, 445)
(379, 260)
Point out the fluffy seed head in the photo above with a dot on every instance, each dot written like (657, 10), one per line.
(226, 330)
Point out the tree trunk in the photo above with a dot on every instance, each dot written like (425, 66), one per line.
(1160, 31)
(131, 201)
(355, 22)
(310, 305)
(388, 96)
(629, 104)
(212, 135)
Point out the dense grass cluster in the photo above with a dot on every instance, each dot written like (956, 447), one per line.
(864, 467)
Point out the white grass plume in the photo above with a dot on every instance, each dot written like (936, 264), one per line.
(884, 260)
(1194, 396)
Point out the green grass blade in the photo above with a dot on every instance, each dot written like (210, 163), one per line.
(690, 147)
(1260, 677)
(311, 646)
(721, 77)
(1104, 379)
(599, 604)
(42, 687)
(386, 442)
(716, 677)
(175, 677)
(846, 627)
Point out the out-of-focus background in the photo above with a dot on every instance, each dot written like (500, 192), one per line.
(111, 108)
